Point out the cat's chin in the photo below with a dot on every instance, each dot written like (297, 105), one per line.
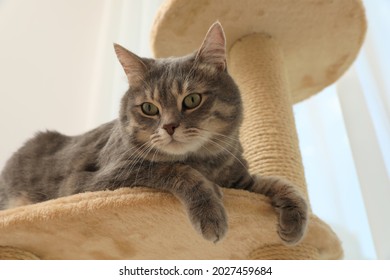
(178, 148)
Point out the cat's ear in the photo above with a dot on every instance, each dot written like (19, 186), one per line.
(135, 68)
(213, 49)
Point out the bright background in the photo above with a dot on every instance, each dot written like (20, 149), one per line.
(58, 71)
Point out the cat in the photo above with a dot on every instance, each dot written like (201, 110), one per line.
(177, 131)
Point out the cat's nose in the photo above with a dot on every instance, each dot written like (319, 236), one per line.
(170, 128)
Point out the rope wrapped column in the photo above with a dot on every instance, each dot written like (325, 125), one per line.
(268, 133)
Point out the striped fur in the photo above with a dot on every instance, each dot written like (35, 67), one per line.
(201, 153)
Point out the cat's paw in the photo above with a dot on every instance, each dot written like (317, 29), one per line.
(293, 217)
(289, 203)
(209, 219)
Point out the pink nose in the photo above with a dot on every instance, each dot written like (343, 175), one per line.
(170, 128)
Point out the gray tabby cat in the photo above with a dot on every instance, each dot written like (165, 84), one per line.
(177, 131)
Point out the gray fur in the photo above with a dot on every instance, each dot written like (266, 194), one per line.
(135, 150)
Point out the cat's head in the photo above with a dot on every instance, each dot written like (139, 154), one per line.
(181, 106)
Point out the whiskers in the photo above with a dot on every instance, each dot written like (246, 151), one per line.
(224, 140)
(178, 145)
(135, 159)
(224, 144)
(137, 165)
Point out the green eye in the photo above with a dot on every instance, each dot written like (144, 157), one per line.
(149, 109)
(192, 101)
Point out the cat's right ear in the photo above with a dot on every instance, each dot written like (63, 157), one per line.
(133, 65)
(213, 49)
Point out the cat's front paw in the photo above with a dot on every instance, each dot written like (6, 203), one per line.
(290, 205)
(293, 217)
(209, 218)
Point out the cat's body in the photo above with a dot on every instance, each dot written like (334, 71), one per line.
(54, 165)
(177, 131)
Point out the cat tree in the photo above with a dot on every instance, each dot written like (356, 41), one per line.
(280, 53)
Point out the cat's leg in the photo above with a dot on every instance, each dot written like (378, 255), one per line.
(203, 203)
(288, 202)
(290, 205)
(201, 197)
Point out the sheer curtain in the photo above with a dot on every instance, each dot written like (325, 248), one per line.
(128, 23)
(345, 141)
(344, 131)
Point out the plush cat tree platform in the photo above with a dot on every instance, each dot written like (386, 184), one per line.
(280, 52)
(146, 224)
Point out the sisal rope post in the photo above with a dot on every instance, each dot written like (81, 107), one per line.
(268, 133)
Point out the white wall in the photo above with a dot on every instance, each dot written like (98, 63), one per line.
(48, 59)
(58, 69)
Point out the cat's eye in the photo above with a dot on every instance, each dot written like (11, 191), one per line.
(149, 109)
(192, 101)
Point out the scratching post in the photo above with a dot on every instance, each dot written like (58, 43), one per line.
(268, 134)
(280, 52)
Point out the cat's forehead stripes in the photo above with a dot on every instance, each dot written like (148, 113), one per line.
(148, 93)
(155, 93)
(175, 90)
(170, 80)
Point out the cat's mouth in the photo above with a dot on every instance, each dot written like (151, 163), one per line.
(176, 146)
(180, 143)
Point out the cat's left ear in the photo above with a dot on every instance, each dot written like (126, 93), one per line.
(213, 49)
(135, 68)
